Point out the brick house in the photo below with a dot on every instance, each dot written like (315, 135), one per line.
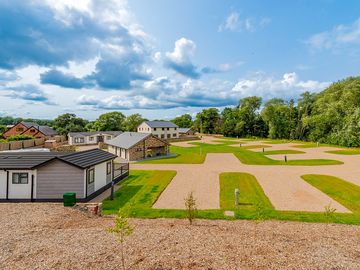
(30, 129)
(136, 146)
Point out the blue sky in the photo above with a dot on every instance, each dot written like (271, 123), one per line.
(163, 58)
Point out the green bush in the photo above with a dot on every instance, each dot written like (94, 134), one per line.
(20, 138)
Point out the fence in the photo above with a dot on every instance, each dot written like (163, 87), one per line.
(120, 169)
(15, 145)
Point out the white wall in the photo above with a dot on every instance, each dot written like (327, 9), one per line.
(144, 128)
(21, 191)
(2, 184)
(87, 139)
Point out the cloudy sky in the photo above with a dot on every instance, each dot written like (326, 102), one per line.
(163, 58)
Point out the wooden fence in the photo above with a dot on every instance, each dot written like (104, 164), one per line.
(16, 145)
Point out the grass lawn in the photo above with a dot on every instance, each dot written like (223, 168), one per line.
(251, 193)
(197, 154)
(141, 189)
(282, 152)
(355, 151)
(344, 192)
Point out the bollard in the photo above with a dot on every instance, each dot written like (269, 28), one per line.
(112, 190)
(237, 191)
(317, 144)
(285, 157)
(240, 144)
(263, 150)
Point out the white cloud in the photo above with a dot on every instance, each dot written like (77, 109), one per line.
(339, 36)
(234, 23)
(287, 87)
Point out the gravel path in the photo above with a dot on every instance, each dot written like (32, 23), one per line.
(49, 236)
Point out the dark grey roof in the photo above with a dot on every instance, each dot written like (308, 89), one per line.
(46, 130)
(26, 160)
(30, 160)
(184, 130)
(85, 159)
(161, 124)
(29, 124)
(128, 139)
(83, 134)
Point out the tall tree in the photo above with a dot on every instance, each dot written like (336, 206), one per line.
(133, 121)
(69, 122)
(110, 121)
(183, 121)
(208, 121)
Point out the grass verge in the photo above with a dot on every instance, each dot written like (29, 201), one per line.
(355, 151)
(345, 193)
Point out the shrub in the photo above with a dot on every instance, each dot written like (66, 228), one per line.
(20, 138)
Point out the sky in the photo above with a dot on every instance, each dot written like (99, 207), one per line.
(164, 58)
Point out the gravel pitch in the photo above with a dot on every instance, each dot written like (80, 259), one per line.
(49, 236)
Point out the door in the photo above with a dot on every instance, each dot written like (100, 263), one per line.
(100, 139)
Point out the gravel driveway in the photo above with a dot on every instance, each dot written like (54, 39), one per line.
(48, 236)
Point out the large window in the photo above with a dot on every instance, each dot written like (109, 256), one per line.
(91, 176)
(20, 178)
(79, 140)
(91, 139)
(108, 168)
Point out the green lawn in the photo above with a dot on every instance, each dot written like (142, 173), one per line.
(355, 151)
(282, 152)
(340, 190)
(141, 189)
(197, 154)
(251, 193)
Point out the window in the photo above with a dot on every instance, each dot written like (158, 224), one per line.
(32, 130)
(20, 129)
(168, 128)
(91, 176)
(162, 136)
(174, 135)
(154, 129)
(168, 136)
(175, 128)
(163, 128)
(108, 168)
(91, 139)
(79, 140)
(108, 137)
(20, 178)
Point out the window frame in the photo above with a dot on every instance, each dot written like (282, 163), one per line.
(20, 176)
(93, 174)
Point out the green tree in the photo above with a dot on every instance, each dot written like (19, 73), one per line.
(69, 122)
(133, 121)
(183, 121)
(208, 121)
(110, 121)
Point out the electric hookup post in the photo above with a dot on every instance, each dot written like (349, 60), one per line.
(237, 191)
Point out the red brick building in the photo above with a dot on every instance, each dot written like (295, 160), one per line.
(30, 129)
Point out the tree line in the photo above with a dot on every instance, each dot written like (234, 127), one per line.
(331, 116)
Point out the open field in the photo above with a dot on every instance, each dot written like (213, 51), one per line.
(49, 236)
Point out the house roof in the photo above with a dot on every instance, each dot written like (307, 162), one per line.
(46, 130)
(184, 130)
(84, 134)
(161, 124)
(31, 160)
(128, 139)
(29, 124)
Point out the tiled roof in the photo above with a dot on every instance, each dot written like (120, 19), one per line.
(128, 139)
(84, 134)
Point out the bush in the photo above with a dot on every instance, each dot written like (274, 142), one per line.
(20, 138)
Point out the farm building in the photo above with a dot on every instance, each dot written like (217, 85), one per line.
(183, 132)
(135, 146)
(86, 138)
(46, 176)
